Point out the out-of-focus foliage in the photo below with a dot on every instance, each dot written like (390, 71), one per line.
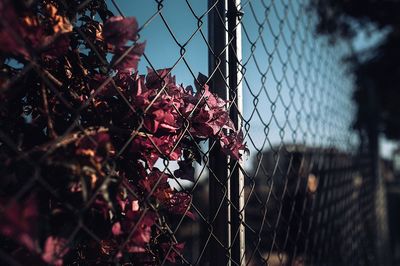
(377, 68)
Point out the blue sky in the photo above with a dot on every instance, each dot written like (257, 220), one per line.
(161, 49)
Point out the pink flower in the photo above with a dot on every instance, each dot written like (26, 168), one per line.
(233, 145)
(142, 148)
(161, 78)
(54, 249)
(21, 37)
(142, 233)
(157, 183)
(127, 58)
(179, 203)
(118, 30)
(116, 229)
(167, 145)
(18, 220)
(162, 116)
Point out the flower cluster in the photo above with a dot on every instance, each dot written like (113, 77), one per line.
(83, 136)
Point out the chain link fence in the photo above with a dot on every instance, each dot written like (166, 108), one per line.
(106, 160)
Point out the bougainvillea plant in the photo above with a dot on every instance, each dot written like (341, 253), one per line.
(81, 134)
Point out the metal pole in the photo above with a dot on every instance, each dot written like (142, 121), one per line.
(219, 191)
(235, 96)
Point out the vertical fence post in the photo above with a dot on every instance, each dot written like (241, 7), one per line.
(235, 96)
(219, 192)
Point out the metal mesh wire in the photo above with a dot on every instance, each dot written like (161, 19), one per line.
(305, 203)
(308, 195)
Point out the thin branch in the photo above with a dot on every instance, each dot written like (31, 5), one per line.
(50, 125)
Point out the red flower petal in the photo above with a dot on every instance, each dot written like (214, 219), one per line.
(118, 30)
(127, 58)
(54, 249)
(17, 222)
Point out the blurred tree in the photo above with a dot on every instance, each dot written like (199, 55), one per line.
(376, 68)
